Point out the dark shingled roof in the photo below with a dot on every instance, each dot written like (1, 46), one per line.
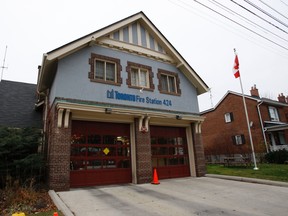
(17, 105)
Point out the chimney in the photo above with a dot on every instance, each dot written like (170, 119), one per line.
(281, 98)
(254, 91)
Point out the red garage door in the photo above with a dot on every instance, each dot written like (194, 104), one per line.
(100, 154)
(170, 152)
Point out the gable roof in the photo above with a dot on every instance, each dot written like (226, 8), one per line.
(256, 99)
(17, 102)
(112, 36)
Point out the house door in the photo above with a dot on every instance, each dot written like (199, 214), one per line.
(100, 154)
(169, 152)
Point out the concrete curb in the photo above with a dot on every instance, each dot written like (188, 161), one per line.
(250, 180)
(59, 203)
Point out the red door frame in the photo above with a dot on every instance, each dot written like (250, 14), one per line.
(100, 154)
(170, 151)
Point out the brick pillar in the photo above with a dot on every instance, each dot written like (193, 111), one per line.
(59, 155)
(198, 150)
(143, 155)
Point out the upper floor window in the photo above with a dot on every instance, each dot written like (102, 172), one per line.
(228, 117)
(105, 69)
(168, 82)
(273, 113)
(139, 76)
(238, 139)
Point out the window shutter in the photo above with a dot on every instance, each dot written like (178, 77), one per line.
(234, 140)
(231, 117)
(243, 139)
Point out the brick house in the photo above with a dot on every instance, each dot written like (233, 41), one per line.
(225, 130)
(117, 103)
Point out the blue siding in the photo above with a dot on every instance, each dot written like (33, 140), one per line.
(143, 37)
(71, 81)
(126, 34)
(116, 35)
(152, 45)
(134, 33)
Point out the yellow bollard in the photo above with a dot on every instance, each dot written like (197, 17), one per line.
(18, 214)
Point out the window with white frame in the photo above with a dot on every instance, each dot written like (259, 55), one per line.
(228, 117)
(168, 82)
(139, 76)
(238, 139)
(105, 69)
(273, 113)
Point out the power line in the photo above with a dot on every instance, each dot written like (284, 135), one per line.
(230, 10)
(266, 13)
(259, 16)
(273, 9)
(241, 25)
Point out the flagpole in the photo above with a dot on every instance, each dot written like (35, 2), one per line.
(248, 124)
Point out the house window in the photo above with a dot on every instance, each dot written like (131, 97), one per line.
(139, 76)
(273, 113)
(168, 82)
(238, 139)
(104, 69)
(228, 117)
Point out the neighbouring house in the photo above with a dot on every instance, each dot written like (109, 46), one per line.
(225, 129)
(117, 103)
(18, 107)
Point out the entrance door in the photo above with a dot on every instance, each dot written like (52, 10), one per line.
(100, 154)
(169, 152)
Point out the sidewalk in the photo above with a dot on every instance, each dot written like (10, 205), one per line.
(250, 180)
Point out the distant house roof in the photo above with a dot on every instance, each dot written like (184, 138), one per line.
(17, 105)
(264, 100)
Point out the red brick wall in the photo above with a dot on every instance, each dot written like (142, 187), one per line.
(59, 154)
(143, 155)
(217, 135)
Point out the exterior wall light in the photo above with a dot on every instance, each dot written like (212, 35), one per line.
(178, 117)
(108, 110)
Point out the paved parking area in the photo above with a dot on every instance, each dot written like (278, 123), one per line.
(184, 196)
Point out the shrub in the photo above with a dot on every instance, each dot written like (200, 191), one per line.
(278, 157)
(19, 160)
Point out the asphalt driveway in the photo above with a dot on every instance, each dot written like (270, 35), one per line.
(184, 196)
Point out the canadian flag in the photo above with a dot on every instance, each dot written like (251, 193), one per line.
(236, 71)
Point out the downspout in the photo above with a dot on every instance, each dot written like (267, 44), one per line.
(262, 127)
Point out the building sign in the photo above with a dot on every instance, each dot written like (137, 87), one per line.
(116, 95)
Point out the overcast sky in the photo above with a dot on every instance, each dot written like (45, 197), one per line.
(204, 38)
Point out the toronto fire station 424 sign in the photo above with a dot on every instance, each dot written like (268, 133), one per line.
(136, 98)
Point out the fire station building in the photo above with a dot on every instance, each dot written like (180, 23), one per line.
(117, 103)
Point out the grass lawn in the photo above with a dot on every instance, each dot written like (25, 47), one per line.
(275, 172)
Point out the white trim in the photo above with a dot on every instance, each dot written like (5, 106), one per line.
(147, 39)
(66, 118)
(136, 49)
(121, 34)
(191, 154)
(130, 34)
(139, 34)
(133, 153)
(60, 118)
